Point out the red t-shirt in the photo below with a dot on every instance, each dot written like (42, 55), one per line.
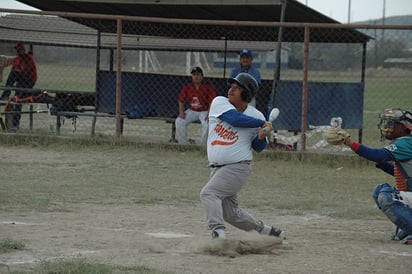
(199, 99)
(26, 66)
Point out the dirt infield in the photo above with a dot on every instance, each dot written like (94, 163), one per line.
(174, 239)
(139, 206)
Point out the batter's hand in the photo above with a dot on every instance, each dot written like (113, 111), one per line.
(265, 130)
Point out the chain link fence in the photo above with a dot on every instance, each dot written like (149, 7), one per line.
(111, 76)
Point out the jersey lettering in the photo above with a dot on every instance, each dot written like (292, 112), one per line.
(228, 134)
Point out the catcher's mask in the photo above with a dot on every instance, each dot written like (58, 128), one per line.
(389, 118)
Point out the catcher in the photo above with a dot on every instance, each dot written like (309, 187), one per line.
(395, 159)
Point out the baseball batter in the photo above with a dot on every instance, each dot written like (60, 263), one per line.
(235, 128)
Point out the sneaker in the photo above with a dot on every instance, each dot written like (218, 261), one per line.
(398, 235)
(215, 235)
(276, 232)
(218, 233)
(407, 240)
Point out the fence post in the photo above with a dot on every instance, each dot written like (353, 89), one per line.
(119, 78)
(305, 87)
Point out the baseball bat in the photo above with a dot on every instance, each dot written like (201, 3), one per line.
(274, 113)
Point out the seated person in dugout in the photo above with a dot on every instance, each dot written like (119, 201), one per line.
(199, 95)
(23, 74)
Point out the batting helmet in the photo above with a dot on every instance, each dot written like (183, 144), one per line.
(388, 119)
(248, 83)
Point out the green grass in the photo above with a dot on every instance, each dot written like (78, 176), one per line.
(85, 169)
(9, 245)
(64, 77)
(382, 92)
(81, 266)
(81, 78)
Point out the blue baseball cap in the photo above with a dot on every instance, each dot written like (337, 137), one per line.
(245, 52)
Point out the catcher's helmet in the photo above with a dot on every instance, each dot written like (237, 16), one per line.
(388, 119)
(248, 83)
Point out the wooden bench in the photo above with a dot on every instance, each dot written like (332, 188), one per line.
(74, 104)
(169, 120)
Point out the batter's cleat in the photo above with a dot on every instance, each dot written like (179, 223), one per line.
(215, 235)
(407, 240)
(218, 233)
(276, 232)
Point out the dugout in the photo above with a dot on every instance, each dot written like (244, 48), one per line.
(240, 12)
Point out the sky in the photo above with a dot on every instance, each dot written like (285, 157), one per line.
(360, 10)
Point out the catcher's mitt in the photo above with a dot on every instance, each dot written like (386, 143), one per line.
(335, 136)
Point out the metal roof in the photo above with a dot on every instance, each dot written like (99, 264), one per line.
(223, 10)
(57, 31)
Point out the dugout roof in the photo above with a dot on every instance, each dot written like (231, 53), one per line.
(57, 31)
(221, 10)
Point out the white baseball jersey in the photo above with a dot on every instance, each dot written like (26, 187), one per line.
(227, 144)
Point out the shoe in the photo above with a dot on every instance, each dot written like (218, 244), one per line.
(407, 240)
(276, 232)
(218, 233)
(215, 235)
(398, 235)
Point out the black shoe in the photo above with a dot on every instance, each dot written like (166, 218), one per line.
(398, 235)
(276, 232)
(406, 240)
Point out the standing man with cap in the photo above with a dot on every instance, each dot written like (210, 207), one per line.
(199, 95)
(23, 74)
(246, 65)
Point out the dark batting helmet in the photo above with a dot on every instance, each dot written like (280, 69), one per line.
(248, 83)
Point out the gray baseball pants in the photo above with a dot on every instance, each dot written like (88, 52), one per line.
(219, 198)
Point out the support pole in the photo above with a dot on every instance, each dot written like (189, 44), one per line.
(97, 95)
(276, 76)
(119, 78)
(305, 89)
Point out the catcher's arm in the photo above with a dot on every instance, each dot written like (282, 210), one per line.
(378, 155)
